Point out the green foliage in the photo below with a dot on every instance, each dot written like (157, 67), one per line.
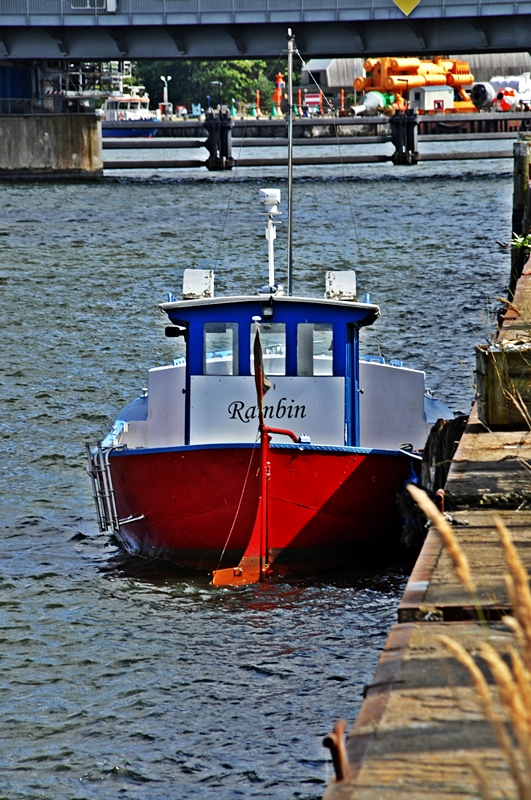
(521, 242)
(191, 80)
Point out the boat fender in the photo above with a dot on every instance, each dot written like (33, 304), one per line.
(414, 524)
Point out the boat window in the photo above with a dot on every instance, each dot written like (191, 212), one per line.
(220, 353)
(314, 348)
(273, 335)
(123, 105)
(111, 104)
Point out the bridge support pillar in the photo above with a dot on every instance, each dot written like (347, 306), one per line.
(219, 129)
(404, 127)
(50, 146)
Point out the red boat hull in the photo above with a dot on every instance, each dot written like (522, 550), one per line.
(201, 509)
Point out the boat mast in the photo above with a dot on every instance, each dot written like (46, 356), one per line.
(291, 40)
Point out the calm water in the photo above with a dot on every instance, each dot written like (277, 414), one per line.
(123, 679)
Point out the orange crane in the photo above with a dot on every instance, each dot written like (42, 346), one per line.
(394, 78)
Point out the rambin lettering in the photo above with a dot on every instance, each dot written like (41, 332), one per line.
(239, 411)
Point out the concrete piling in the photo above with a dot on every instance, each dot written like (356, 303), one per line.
(50, 146)
(219, 143)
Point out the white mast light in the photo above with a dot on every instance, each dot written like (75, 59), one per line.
(270, 198)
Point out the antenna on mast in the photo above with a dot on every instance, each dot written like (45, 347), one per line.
(291, 40)
(270, 198)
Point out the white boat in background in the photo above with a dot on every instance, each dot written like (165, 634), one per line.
(129, 108)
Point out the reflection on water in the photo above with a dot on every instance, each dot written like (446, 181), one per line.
(123, 677)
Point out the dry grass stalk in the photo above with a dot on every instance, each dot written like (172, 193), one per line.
(523, 682)
(516, 399)
(453, 547)
(482, 779)
(512, 683)
(515, 627)
(511, 699)
(481, 686)
(518, 588)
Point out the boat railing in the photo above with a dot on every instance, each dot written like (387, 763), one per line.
(279, 351)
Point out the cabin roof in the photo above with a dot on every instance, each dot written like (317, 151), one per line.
(361, 313)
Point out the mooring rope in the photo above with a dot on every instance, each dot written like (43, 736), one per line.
(239, 504)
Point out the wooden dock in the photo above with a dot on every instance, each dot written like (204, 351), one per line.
(420, 728)
(420, 724)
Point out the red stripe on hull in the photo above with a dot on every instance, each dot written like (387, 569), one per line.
(323, 505)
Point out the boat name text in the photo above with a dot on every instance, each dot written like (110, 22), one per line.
(238, 410)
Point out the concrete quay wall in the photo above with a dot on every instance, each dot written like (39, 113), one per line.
(50, 146)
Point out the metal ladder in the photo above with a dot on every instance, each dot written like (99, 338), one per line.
(102, 487)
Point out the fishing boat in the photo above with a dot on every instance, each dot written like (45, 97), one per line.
(128, 108)
(270, 447)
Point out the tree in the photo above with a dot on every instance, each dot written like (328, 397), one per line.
(191, 80)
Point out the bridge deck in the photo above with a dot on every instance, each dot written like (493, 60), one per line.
(114, 29)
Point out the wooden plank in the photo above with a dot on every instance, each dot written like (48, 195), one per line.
(311, 160)
(299, 161)
(413, 601)
(119, 143)
(175, 142)
(190, 164)
(465, 156)
(420, 724)
(433, 592)
(490, 468)
(503, 375)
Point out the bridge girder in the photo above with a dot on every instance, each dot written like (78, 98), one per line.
(406, 36)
